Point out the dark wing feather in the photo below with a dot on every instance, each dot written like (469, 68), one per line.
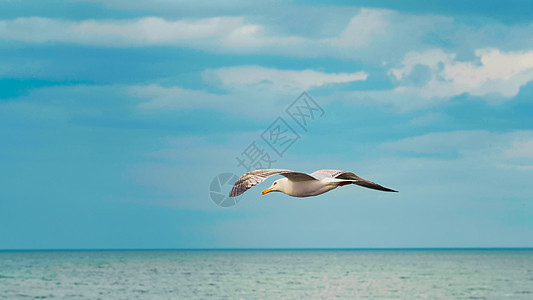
(255, 177)
(353, 178)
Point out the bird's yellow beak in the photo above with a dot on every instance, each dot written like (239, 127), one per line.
(266, 191)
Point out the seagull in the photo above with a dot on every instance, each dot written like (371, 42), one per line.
(298, 184)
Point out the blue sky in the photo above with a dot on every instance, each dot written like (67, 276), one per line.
(115, 116)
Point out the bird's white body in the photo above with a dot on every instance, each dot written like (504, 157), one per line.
(303, 188)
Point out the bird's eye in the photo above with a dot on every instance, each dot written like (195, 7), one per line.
(275, 183)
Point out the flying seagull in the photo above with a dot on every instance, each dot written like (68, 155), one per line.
(299, 184)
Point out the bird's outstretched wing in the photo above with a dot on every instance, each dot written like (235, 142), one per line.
(349, 176)
(255, 177)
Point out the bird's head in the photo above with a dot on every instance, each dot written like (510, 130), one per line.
(278, 186)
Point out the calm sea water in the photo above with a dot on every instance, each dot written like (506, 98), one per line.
(408, 274)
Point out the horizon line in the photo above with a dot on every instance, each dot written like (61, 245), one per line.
(264, 249)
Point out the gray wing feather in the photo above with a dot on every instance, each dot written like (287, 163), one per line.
(349, 176)
(252, 178)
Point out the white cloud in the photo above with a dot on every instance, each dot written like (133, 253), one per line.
(254, 36)
(226, 32)
(215, 34)
(268, 87)
(434, 76)
(510, 150)
(231, 32)
(520, 148)
(158, 30)
(431, 58)
(496, 73)
(280, 79)
(363, 27)
(370, 35)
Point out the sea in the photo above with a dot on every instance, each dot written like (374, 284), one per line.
(268, 274)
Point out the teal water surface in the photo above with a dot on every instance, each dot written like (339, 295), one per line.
(264, 274)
